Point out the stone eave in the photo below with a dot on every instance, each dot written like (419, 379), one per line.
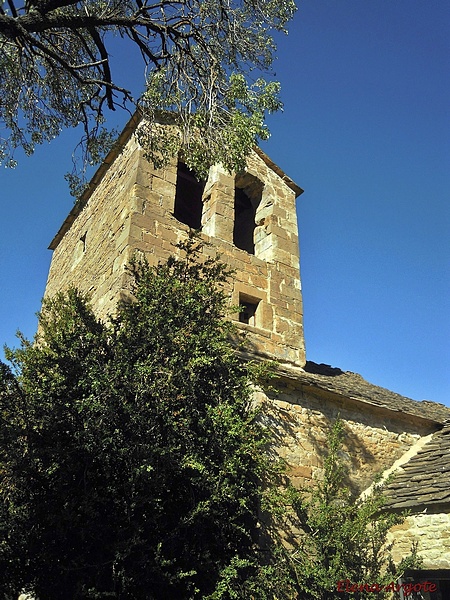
(125, 135)
(415, 508)
(424, 574)
(281, 174)
(345, 386)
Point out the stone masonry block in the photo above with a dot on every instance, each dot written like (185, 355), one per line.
(145, 222)
(284, 257)
(123, 236)
(165, 188)
(135, 233)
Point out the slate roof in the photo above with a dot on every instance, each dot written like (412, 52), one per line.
(351, 385)
(425, 479)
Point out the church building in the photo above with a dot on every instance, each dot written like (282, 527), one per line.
(250, 219)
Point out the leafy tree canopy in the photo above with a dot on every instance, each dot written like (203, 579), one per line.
(199, 58)
(131, 463)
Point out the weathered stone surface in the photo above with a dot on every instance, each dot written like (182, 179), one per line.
(432, 535)
(129, 209)
(300, 416)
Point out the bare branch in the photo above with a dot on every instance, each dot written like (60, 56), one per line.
(145, 50)
(12, 8)
(105, 65)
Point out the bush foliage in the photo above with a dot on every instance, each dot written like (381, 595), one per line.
(131, 462)
(133, 466)
(344, 537)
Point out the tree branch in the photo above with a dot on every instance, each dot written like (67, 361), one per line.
(36, 23)
(44, 7)
(105, 65)
(12, 8)
(58, 72)
(145, 51)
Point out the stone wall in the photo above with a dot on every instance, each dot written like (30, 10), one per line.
(93, 251)
(131, 210)
(432, 534)
(300, 419)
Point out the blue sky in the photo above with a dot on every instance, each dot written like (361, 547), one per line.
(366, 133)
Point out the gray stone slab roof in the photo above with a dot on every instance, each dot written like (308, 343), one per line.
(424, 481)
(351, 385)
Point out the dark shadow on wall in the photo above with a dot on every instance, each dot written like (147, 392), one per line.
(284, 429)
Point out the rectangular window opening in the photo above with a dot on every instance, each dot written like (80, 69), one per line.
(249, 308)
(247, 197)
(188, 197)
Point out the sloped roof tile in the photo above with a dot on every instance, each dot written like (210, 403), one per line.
(353, 386)
(425, 479)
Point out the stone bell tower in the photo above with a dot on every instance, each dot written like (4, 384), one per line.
(249, 218)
